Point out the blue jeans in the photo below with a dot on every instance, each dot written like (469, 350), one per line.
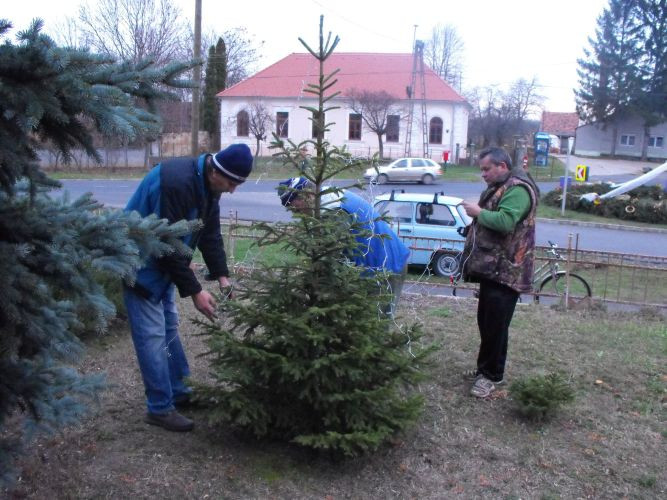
(159, 350)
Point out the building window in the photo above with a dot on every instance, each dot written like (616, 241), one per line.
(242, 123)
(315, 130)
(282, 124)
(392, 128)
(627, 140)
(354, 132)
(435, 131)
(656, 141)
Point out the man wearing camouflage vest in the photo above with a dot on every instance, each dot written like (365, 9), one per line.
(498, 254)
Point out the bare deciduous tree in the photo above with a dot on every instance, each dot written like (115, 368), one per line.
(242, 52)
(523, 98)
(497, 116)
(260, 122)
(133, 30)
(444, 53)
(375, 107)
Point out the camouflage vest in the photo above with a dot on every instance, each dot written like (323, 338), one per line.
(503, 258)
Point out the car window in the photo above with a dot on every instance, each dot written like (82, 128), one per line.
(434, 214)
(418, 163)
(401, 164)
(431, 163)
(397, 211)
(467, 220)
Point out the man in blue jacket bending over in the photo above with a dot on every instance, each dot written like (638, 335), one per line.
(177, 189)
(383, 248)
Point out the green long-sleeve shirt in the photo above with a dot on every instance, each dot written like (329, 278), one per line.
(513, 206)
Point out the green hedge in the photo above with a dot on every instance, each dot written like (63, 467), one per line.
(643, 204)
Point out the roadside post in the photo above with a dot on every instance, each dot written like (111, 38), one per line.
(567, 174)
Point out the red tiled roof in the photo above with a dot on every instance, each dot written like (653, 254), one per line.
(362, 71)
(559, 123)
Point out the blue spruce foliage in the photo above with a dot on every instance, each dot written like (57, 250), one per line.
(53, 249)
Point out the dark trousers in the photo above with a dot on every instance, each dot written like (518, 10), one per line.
(494, 314)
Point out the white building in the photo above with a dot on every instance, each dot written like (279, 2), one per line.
(279, 90)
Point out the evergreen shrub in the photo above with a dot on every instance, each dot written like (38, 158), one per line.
(642, 204)
(541, 396)
(305, 354)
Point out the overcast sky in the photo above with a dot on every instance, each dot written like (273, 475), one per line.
(504, 40)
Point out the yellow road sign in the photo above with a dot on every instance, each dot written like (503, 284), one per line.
(581, 173)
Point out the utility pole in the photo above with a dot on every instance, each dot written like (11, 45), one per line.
(194, 130)
(417, 71)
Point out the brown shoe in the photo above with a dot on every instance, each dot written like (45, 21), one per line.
(172, 421)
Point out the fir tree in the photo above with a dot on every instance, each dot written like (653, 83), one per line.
(214, 82)
(610, 79)
(307, 356)
(652, 101)
(52, 249)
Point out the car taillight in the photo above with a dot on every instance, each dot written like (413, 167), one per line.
(438, 172)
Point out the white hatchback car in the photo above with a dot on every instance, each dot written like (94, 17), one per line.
(428, 224)
(421, 170)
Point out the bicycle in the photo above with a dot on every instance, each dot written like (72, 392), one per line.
(551, 279)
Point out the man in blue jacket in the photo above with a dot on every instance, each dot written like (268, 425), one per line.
(177, 189)
(382, 250)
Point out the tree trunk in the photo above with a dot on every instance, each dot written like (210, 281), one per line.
(380, 147)
(645, 143)
(614, 138)
(257, 149)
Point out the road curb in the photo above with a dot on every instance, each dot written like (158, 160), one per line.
(640, 229)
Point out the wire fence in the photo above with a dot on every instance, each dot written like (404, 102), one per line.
(622, 278)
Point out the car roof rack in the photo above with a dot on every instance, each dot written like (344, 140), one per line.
(391, 197)
(435, 196)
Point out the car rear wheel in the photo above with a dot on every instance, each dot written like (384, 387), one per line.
(427, 179)
(382, 179)
(446, 264)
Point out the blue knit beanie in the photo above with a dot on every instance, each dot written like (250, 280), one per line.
(287, 190)
(234, 162)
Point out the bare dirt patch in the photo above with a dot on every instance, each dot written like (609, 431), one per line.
(609, 444)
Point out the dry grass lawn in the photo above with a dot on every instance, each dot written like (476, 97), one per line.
(611, 443)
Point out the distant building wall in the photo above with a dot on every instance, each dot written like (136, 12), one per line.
(454, 118)
(595, 139)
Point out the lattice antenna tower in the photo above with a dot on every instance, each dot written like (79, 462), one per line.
(412, 91)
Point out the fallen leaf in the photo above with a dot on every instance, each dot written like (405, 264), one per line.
(598, 382)
(499, 395)
(457, 489)
(403, 467)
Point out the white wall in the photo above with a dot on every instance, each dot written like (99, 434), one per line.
(454, 117)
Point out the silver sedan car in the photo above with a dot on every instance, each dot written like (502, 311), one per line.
(421, 170)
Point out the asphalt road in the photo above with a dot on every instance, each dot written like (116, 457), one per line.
(257, 200)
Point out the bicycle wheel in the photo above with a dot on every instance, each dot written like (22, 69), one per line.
(579, 287)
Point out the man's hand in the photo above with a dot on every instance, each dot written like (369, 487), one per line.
(225, 287)
(472, 209)
(205, 304)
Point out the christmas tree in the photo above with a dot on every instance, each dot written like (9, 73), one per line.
(53, 248)
(308, 355)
